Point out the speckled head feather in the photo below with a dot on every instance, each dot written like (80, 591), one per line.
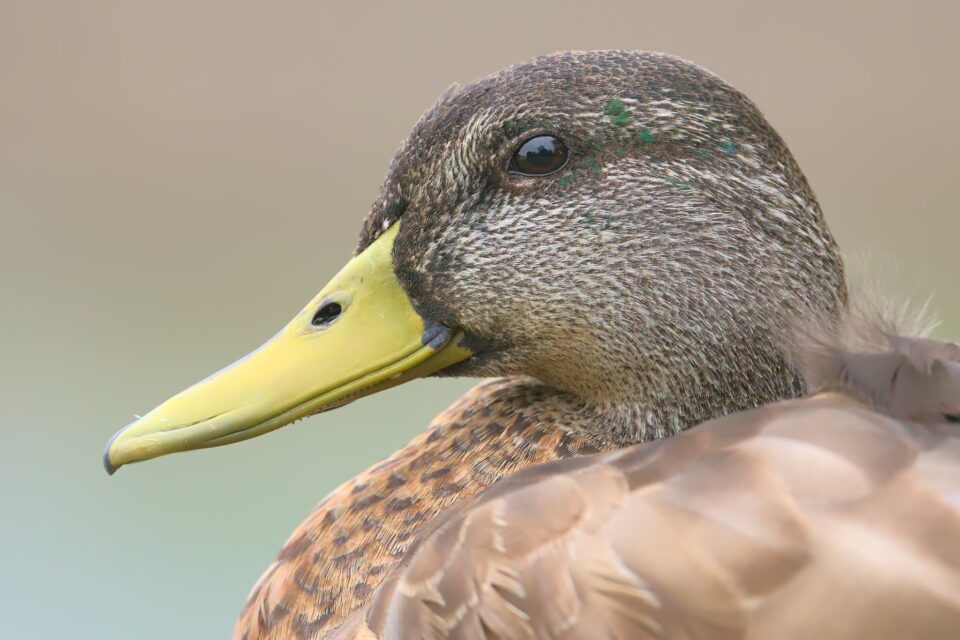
(678, 235)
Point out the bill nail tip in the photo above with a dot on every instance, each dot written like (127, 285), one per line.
(107, 464)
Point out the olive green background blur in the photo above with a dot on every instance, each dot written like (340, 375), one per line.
(177, 178)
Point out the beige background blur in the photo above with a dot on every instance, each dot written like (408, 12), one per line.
(177, 178)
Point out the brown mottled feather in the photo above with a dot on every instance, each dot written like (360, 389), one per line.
(335, 559)
(824, 517)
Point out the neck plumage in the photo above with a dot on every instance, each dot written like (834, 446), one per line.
(649, 396)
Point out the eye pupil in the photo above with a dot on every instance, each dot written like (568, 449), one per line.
(539, 156)
(326, 314)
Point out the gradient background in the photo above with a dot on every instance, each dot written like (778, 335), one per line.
(177, 178)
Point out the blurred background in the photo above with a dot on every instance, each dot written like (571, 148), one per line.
(178, 178)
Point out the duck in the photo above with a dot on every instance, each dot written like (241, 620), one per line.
(685, 428)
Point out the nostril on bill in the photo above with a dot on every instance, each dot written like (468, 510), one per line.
(327, 313)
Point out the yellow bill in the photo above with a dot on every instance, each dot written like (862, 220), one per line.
(359, 335)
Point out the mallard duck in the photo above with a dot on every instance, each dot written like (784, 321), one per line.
(625, 245)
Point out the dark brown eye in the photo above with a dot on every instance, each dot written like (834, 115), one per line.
(539, 156)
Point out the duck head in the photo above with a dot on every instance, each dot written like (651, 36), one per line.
(622, 226)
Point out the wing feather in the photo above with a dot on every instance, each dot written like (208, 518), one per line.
(819, 517)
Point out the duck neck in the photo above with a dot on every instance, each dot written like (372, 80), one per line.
(649, 397)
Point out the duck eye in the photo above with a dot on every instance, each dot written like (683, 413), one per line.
(539, 156)
(326, 314)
